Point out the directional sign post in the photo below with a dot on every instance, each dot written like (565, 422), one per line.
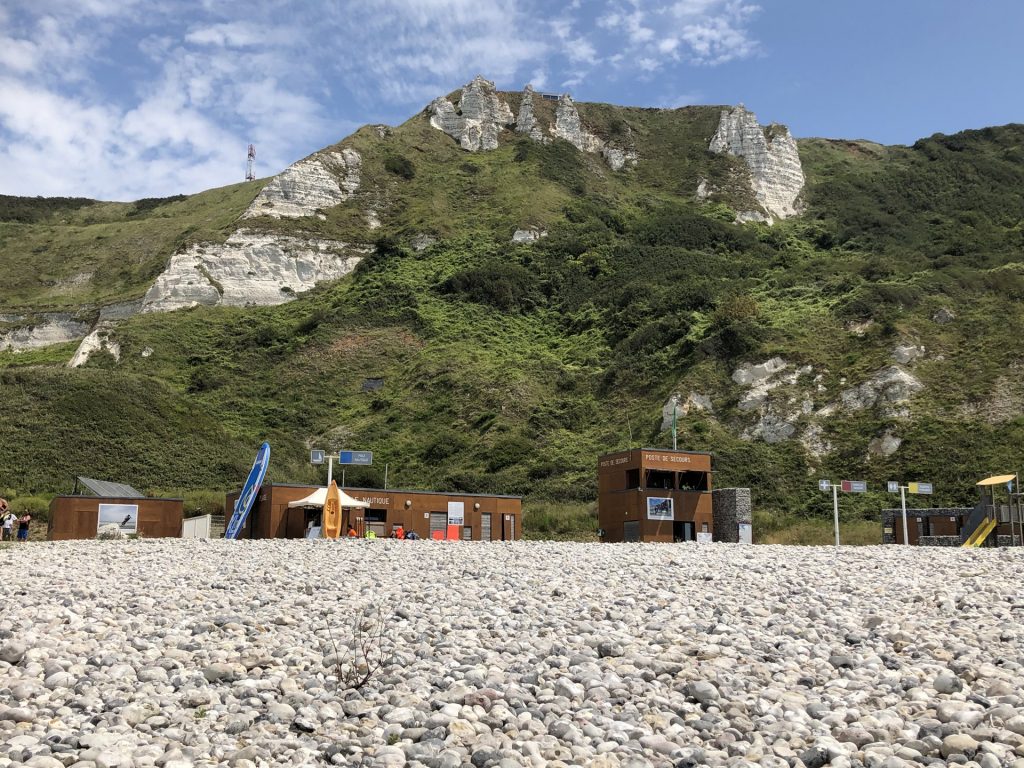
(846, 486)
(353, 458)
(921, 488)
(364, 458)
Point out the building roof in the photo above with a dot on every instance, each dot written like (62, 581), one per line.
(108, 489)
(350, 488)
(658, 450)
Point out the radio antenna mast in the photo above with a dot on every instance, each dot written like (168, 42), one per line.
(250, 173)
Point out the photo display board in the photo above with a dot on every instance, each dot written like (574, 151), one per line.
(456, 513)
(660, 508)
(124, 516)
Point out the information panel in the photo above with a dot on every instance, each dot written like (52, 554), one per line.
(660, 508)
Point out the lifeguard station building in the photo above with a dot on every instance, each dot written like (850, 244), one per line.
(654, 494)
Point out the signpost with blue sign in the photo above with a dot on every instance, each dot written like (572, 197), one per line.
(353, 458)
(362, 458)
(344, 458)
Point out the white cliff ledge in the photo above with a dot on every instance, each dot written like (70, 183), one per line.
(319, 181)
(250, 268)
(776, 175)
(54, 328)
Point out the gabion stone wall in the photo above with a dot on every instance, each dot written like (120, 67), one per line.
(729, 508)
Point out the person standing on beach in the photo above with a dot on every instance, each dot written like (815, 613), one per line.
(8, 519)
(23, 522)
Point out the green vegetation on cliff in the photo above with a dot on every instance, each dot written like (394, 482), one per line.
(509, 367)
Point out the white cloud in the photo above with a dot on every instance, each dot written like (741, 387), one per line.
(115, 98)
(237, 34)
(650, 35)
(581, 51)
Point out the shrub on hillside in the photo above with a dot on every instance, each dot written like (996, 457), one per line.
(400, 166)
(509, 450)
(736, 328)
(508, 287)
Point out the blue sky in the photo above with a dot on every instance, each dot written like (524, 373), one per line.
(120, 99)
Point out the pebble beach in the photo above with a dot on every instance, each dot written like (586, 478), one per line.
(179, 653)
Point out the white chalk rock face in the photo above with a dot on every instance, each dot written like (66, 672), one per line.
(569, 126)
(319, 181)
(479, 118)
(776, 175)
(250, 268)
(55, 328)
(528, 235)
(96, 341)
(888, 388)
(526, 122)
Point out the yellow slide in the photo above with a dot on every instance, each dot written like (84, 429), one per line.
(981, 533)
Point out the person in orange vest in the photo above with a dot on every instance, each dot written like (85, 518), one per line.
(399, 532)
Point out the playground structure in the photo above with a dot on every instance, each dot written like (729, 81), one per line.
(986, 517)
(997, 520)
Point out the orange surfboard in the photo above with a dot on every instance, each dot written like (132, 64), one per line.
(331, 523)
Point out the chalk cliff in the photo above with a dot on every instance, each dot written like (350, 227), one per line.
(526, 121)
(50, 328)
(480, 117)
(776, 175)
(249, 268)
(319, 181)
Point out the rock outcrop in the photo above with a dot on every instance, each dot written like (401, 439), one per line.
(528, 235)
(907, 353)
(748, 375)
(885, 444)
(479, 119)
(99, 339)
(814, 441)
(776, 175)
(526, 122)
(889, 388)
(569, 126)
(319, 181)
(51, 328)
(481, 115)
(249, 268)
(676, 406)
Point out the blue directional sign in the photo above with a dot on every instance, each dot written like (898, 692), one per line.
(355, 457)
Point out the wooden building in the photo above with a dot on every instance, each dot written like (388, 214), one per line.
(654, 494)
(943, 526)
(476, 517)
(78, 517)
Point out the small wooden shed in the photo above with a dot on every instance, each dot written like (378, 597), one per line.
(79, 516)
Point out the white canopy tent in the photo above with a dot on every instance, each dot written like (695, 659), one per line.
(319, 497)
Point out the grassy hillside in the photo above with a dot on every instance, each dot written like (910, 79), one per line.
(509, 367)
(63, 254)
